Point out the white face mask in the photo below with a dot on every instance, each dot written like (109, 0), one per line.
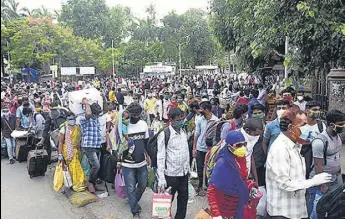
(280, 113)
(300, 98)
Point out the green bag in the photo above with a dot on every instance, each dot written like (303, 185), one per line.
(151, 177)
(85, 165)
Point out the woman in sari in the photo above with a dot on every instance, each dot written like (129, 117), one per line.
(69, 144)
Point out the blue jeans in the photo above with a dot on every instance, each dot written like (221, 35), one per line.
(93, 155)
(11, 147)
(136, 182)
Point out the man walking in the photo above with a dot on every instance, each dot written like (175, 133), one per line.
(173, 161)
(8, 124)
(135, 173)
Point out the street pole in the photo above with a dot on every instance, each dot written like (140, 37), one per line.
(112, 53)
(286, 52)
(180, 59)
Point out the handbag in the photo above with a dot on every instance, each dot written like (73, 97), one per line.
(120, 186)
(194, 171)
(161, 205)
(203, 214)
(67, 179)
(58, 177)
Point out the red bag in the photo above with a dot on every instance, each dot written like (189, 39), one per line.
(250, 207)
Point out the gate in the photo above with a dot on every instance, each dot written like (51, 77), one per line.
(319, 89)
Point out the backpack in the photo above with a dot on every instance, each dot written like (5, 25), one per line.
(307, 151)
(59, 121)
(331, 205)
(107, 170)
(152, 146)
(211, 160)
(214, 131)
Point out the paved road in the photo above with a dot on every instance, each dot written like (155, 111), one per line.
(25, 198)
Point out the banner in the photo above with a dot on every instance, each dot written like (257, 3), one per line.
(68, 71)
(87, 70)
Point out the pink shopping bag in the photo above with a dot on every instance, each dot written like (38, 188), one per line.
(120, 187)
(161, 205)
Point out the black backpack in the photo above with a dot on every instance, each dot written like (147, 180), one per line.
(56, 123)
(332, 204)
(107, 170)
(214, 131)
(307, 152)
(152, 146)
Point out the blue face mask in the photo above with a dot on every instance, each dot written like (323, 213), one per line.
(71, 122)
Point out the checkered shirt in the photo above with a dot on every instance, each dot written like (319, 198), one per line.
(285, 170)
(91, 133)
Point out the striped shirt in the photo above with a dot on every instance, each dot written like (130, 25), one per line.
(173, 159)
(285, 169)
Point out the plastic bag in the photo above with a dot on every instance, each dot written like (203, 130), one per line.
(67, 179)
(120, 187)
(261, 208)
(191, 193)
(203, 214)
(151, 177)
(58, 177)
(85, 165)
(194, 171)
(161, 205)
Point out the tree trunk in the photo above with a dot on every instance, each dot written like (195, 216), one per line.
(2, 65)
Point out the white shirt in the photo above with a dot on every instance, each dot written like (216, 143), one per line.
(301, 105)
(103, 126)
(285, 170)
(173, 159)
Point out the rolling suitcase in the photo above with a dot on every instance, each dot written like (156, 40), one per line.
(37, 162)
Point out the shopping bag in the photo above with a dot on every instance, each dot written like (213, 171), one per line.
(120, 187)
(262, 206)
(161, 205)
(58, 177)
(194, 171)
(151, 177)
(203, 214)
(85, 165)
(67, 179)
(191, 193)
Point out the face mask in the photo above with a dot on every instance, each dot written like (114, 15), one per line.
(314, 114)
(179, 101)
(296, 133)
(260, 116)
(251, 138)
(300, 98)
(178, 124)
(338, 129)
(6, 114)
(125, 122)
(134, 120)
(166, 97)
(280, 113)
(191, 97)
(71, 122)
(239, 152)
(288, 98)
(202, 113)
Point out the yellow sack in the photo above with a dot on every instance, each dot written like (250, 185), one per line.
(58, 177)
(80, 199)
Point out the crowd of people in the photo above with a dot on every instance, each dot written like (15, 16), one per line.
(245, 154)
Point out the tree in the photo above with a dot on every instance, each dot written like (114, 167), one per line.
(256, 31)
(93, 19)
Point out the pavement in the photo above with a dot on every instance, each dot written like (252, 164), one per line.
(25, 198)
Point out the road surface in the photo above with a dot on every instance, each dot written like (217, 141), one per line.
(25, 198)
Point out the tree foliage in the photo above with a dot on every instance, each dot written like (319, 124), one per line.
(256, 31)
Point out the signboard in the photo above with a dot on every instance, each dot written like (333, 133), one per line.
(87, 70)
(158, 69)
(68, 71)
